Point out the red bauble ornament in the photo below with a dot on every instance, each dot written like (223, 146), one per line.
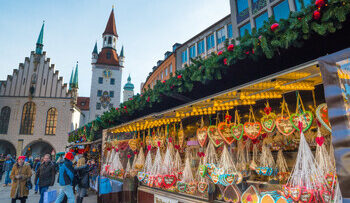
(247, 52)
(129, 156)
(135, 152)
(316, 15)
(125, 107)
(179, 76)
(225, 61)
(116, 150)
(230, 47)
(219, 53)
(274, 26)
(320, 3)
(117, 108)
(163, 81)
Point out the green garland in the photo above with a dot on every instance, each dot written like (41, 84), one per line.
(299, 27)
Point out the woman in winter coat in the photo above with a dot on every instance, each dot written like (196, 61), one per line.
(82, 171)
(20, 174)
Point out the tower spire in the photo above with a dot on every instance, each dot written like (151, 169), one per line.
(75, 78)
(110, 27)
(39, 43)
(71, 79)
(95, 49)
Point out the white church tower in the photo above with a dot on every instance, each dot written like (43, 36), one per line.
(128, 90)
(106, 72)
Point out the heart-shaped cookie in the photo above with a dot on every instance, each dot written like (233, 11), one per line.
(232, 194)
(225, 132)
(295, 192)
(305, 119)
(181, 186)
(159, 180)
(237, 131)
(284, 126)
(202, 170)
(285, 191)
(268, 122)
(210, 169)
(202, 187)
(319, 140)
(191, 188)
(214, 177)
(252, 129)
(214, 136)
(169, 180)
(306, 195)
(326, 196)
(133, 144)
(141, 175)
(158, 140)
(227, 179)
(202, 135)
(250, 195)
(322, 116)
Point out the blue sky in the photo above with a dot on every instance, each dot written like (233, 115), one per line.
(146, 28)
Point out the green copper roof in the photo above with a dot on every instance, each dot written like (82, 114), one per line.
(129, 86)
(39, 42)
(122, 53)
(71, 80)
(75, 78)
(95, 49)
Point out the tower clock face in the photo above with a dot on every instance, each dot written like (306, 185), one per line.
(107, 73)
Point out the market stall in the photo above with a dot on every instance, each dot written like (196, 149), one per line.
(269, 140)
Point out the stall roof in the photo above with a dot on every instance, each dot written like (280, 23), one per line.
(302, 77)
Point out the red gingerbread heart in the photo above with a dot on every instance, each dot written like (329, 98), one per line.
(319, 140)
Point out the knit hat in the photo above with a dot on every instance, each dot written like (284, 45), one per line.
(22, 157)
(69, 156)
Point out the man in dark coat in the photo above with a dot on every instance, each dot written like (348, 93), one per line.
(46, 175)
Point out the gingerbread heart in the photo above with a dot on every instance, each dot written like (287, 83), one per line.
(159, 180)
(295, 192)
(322, 116)
(202, 187)
(191, 188)
(319, 140)
(214, 136)
(306, 196)
(181, 186)
(169, 180)
(158, 140)
(305, 119)
(252, 130)
(237, 131)
(133, 144)
(285, 191)
(202, 135)
(210, 169)
(238, 178)
(284, 126)
(202, 170)
(225, 132)
(232, 194)
(326, 196)
(214, 177)
(268, 122)
(141, 175)
(227, 179)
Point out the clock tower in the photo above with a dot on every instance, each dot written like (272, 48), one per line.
(106, 72)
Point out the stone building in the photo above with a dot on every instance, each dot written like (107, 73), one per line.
(37, 109)
(106, 72)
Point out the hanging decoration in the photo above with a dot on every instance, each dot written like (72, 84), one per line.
(116, 169)
(168, 171)
(283, 124)
(187, 184)
(226, 170)
(237, 127)
(202, 134)
(267, 166)
(242, 161)
(282, 167)
(251, 195)
(178, 167)
(214, 134)
(224, 129)
(181, 135)
(322, 116)
(155, 178)
(268, 120)
(305, 117)
(252, 129)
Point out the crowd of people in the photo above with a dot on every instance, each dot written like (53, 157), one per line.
(72, 169)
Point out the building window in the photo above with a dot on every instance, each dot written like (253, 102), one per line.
(210, 41)
(242, 5)
(99, 93)
(229, 31)
(171, 68)
(166, 72)
(192, 51)
(100, 80)
(98, 106)
(28, 119)
(299, 6)
(259, 21)
(161, 75)
(51, 121)
(200, 47)
(111, 94)
(281, 11)
(108, 55)
(220, 34)
(244, 29)
(184, 56)
(4, 119)
(109, 40)
(112, 81)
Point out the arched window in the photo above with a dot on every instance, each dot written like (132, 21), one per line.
(4, 119)
(51, 121)
(28, 119)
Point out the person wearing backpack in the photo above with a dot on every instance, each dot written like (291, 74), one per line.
(66, 178)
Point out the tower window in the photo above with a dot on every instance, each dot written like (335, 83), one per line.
(112, 81)
(108, 55)
(100, 80)
(98, 106)
(111, 94)
(99, 93)
(109, 40)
